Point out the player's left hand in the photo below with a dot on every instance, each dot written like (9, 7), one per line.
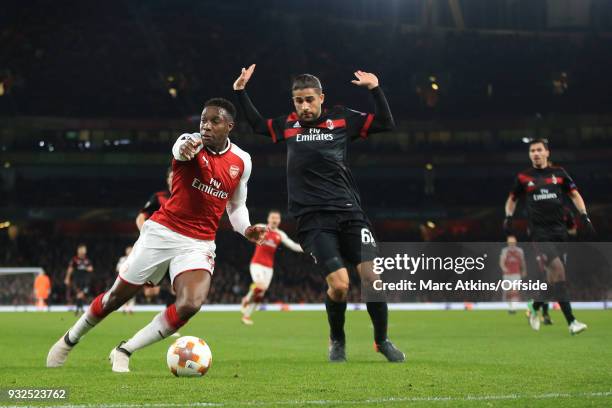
(366, 79)
(256, 233)
(588, 226)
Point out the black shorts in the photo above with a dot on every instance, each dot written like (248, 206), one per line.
(334, 239)
(81, 283)
(549, 244)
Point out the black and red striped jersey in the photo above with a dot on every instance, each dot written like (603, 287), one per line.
(155, 202)
(318, 174)
(544, 191)
(80, 266)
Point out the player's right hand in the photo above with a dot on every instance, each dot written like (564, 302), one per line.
(245, 75)
(256, 233)
(67, 282)
(190, 148)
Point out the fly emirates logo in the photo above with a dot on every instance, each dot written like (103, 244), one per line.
(213, 187)
(314, 135)
(544, 195)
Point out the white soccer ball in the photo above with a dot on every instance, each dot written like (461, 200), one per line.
(189, 356)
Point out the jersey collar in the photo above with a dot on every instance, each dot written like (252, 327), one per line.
(225, 149)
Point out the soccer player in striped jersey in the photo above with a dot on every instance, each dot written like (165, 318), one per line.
(262, 264)
(323, 196)
(543, 186)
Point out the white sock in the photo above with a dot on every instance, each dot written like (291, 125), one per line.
(249, 295)
(250, 309)
(85, 323)
(153, 332)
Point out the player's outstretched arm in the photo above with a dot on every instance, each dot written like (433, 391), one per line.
(238, 213)
(383, 118)
(186, 147)
(257, 122)
(289, 243)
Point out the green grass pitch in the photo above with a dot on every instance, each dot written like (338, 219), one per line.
(475, 358)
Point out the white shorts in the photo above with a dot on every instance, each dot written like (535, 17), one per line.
(261, 275)
(159, 248)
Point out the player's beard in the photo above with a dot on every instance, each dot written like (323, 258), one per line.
(309, 119)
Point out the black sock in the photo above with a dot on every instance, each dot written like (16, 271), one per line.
(79, 304)
(545, 309)
(335, 317)
(560, 291)
(379, 314)
(536, 305)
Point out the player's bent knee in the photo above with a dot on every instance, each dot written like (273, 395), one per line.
(338, 290)
(262, 286)
(188, 307)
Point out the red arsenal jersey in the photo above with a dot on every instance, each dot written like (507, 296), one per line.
(513, 260)
(201, 189)
(264, 253)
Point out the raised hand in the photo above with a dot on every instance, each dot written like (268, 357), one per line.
(189, 148)
(256, 233)
(366, 79)
(245, 75)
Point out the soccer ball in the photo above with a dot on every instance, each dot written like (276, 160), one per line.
(189, 356)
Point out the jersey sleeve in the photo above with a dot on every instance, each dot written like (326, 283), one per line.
(151, 206)
(179, 142)
(289, 243)
(276, 128)
(360, 124)
(357, 123)
(518, 189)
(568, 183)
(236, 208)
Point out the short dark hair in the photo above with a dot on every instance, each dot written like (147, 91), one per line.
(305, 81)
(222, 103)
(274, 211)
(539, 140)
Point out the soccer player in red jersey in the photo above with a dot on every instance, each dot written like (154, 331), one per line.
(512, 264)
(210, 177)
(262, 264)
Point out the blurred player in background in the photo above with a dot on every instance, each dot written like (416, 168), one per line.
(128, 307)
(543, 186)
(572, 231)
(42, 290)
(323, 196)
(512, 264)
(78, 277)
(210, 177)
(262, 264)
(155, 202)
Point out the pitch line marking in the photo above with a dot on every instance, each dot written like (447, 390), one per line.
(552, 395)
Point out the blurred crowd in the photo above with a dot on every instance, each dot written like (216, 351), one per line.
(296, 278)
(163, 59)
